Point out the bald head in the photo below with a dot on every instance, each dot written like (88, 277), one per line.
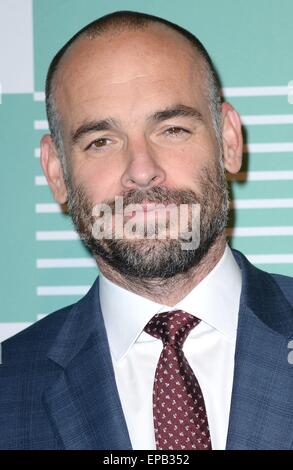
(116, 24)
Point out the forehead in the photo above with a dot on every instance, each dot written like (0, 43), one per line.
(122, 68)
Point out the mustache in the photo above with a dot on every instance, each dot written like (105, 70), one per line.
(158, 195)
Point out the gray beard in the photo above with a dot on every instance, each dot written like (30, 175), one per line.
(155, 258)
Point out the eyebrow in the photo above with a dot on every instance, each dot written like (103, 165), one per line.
(93, 126)
(180, 110)
(110, 123)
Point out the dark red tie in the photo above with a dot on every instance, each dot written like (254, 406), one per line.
(180, 418)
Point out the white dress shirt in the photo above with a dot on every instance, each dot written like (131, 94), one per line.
(209, 348)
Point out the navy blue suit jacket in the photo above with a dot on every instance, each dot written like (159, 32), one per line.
(58, 390)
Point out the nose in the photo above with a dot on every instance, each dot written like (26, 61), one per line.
(143, 170)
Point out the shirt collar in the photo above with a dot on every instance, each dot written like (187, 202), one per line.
(215, 300)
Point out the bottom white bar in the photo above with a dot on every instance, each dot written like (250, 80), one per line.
(271, 259)
(66, 263)
(62, 290)
(259, 231)
(10, 329)
(40, 316)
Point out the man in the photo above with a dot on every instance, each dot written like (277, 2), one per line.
(175, 346)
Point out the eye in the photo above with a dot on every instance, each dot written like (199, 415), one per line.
(98, 143)
(175, 131)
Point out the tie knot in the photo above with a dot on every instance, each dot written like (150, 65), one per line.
(171, 327)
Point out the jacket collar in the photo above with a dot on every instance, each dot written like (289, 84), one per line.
(84, 405)
(260, 293)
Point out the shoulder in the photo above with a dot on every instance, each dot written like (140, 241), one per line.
(36, 339)
(263, 282)
(59, 330)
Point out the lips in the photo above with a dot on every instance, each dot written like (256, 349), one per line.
(147, 207)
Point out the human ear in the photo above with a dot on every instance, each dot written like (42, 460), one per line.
(232, 138)
(52, 168)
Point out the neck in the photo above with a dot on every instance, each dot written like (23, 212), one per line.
(168, 291)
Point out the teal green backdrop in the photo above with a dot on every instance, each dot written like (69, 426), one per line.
(44, 266)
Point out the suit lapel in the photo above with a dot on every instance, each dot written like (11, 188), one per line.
(83, 403)
(262, 403)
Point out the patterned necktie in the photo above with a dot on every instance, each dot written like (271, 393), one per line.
(180, 418)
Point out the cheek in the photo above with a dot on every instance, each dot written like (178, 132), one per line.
(99, 179)
(186, 163)
(193, 164)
